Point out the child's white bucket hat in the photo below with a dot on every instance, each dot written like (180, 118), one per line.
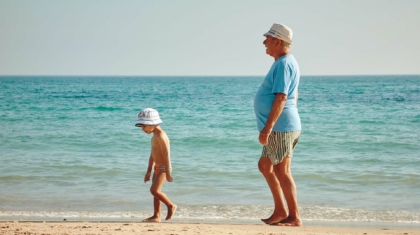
(281, 32)
(148, 117)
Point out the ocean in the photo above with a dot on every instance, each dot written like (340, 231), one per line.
(70, 150)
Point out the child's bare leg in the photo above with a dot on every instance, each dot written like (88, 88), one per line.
(156, 206)
(158, 182)
(156, 215)
(171, 212)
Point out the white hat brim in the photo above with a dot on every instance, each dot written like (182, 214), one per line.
(149, 123)
(281, 38)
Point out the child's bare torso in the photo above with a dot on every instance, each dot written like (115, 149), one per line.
(161, 149)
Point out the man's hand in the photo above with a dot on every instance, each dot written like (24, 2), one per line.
(264, 134)
(147, 177)
(169, 177)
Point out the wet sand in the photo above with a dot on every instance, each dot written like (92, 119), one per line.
(175, 228)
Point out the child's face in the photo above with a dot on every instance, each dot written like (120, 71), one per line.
(147, 129)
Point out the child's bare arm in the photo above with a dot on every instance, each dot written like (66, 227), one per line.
(165, 151)
(149, 169)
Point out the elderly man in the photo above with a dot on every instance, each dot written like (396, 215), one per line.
(278, 121)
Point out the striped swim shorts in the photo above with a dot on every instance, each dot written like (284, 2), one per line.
(280, 145)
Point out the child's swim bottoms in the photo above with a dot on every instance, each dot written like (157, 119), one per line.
(159, 169)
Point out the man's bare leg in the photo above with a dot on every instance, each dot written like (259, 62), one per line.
(284, 175)
(280, 213)
(158, 181)
(156, 215)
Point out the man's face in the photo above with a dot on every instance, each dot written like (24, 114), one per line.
(270, 44)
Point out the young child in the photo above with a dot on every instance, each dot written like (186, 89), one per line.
(149, 120)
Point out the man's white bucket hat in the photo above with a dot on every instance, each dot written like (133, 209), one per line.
(281, 32)
(148, 117)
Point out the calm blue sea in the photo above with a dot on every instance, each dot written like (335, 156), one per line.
(69, 148)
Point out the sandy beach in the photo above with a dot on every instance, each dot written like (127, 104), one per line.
(131, 228)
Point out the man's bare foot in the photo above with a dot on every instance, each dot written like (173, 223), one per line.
(153, 219)
(171, 212)
(274, 219)
(289, 222)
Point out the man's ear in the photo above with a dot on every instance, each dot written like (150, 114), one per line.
(281, 43)
(278, 42)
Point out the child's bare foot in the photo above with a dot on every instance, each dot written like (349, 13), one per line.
(153, 219)
(289, 222)
(274, 219)
(171, 212)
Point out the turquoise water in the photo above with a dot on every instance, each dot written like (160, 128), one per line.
(69, 148)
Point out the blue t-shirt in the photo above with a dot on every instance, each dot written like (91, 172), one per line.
(283, 77)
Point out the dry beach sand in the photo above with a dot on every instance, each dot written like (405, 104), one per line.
(131, 228)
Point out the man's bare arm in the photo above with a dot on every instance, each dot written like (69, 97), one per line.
(276, 109)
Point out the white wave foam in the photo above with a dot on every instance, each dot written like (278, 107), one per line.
(227, 212)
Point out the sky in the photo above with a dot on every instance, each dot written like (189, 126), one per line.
(207, 37)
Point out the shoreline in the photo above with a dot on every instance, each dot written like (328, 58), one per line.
(306, 223)
(131, 228)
